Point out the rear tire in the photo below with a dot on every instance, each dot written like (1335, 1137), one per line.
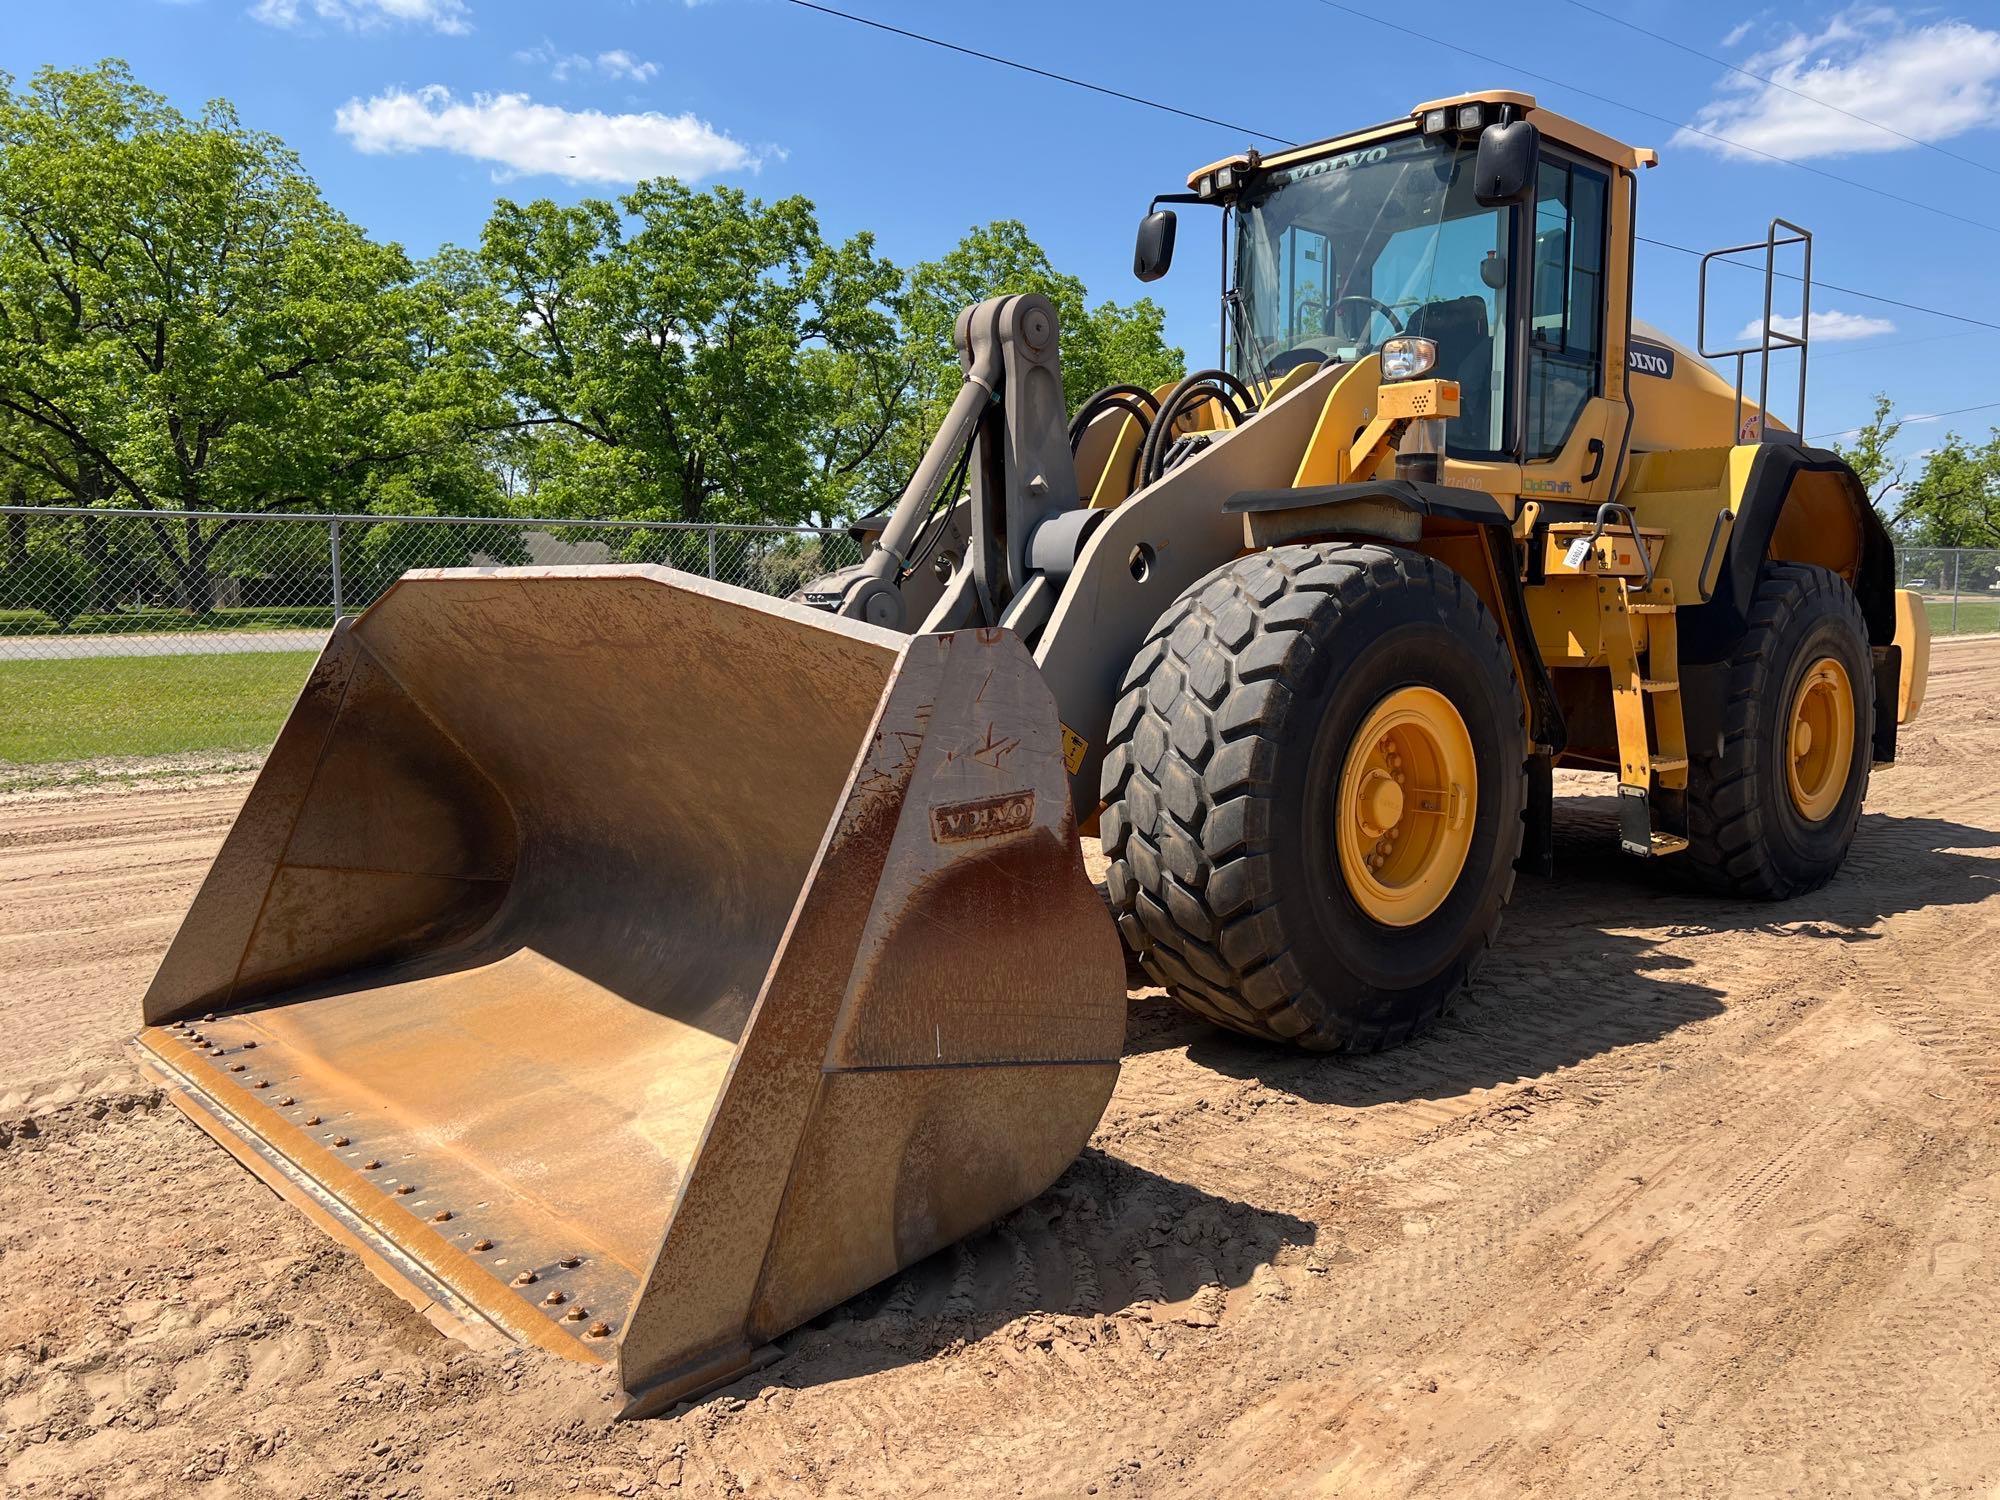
(1228, 780)
(1752, 828)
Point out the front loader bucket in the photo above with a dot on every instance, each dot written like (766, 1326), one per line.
(627, 962)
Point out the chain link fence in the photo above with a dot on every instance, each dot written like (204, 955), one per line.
(1960, 586)
(180, 639)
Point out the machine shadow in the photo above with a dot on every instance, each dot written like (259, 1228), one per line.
(1562, 984)
(1108, 1237)
(1568, 979)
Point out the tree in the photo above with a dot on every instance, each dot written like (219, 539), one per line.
(675, 350)
(1103, 345)
(186, 325)
(1955, 501)
(1880, 472)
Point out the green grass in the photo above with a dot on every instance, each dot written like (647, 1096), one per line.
(169, 621)
(145, 705)
(1975, 615)
(26, 622)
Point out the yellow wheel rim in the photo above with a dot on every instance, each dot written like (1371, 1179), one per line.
(1819, 739)
(1403, 821)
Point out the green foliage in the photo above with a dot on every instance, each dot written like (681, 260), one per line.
(1869, 455)
(667, 347)
(49, 582)
(1101, 346)
(1955, 500)
(705, 356)
(185, 324)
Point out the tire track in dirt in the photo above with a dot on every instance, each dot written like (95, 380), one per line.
(1685, 1197)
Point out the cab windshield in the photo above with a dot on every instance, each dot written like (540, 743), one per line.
(1334, 256)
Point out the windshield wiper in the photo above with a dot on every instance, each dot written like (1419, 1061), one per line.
(1242, 338)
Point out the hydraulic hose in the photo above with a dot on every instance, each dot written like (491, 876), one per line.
(1235, 398)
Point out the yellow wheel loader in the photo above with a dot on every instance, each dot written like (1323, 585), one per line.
(634, 966)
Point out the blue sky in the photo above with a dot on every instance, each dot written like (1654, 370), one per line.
(414, 114)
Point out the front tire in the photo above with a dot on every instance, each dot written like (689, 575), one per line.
(1773, 814)
(1313, 785)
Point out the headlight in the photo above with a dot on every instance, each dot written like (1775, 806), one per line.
(1407, 358)
(1470, 116)
(1433, 121)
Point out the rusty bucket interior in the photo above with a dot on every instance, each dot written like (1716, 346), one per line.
(636, 966)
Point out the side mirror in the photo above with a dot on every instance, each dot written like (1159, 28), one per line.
(1155, 250)
(1504, 170)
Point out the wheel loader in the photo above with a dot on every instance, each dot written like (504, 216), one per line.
(636, 967)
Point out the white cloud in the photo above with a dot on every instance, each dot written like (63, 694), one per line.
(1828, 326)
(452, 17)
(1737, 32)
(563, 66)
(618, 63)
(1932, 82)
(521, 137)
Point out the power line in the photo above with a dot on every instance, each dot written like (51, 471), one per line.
(1869, 346)
(1834, 286)
(1021, 67)
(1723, 62)
(1929, 416)
(1662, 119)
(1155, 104)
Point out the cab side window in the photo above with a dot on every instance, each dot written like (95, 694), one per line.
(1566, 320)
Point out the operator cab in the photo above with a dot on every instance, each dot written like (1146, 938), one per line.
(1398, 232)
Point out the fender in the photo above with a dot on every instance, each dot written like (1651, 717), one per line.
(1363, 498)
(1710, 631)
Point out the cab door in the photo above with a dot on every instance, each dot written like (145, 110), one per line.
(1573, 419)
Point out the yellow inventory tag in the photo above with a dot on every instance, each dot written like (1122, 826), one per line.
(1074, 745)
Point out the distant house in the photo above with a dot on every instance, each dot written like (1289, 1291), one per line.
(545, 551)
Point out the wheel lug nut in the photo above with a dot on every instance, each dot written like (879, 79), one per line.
(526, 1278)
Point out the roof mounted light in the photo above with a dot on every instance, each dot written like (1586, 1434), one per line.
(1225, 178)
(1471, 116)
(1434, 120)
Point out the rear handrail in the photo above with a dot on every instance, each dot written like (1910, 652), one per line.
(1773, 339)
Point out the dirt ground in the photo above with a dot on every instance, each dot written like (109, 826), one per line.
(1688, 1197)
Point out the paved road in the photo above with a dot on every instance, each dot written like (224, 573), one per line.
(185, 643)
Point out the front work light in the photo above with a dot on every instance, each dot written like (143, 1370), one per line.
(1433, 121)
(1406, 358)
(1470, 116)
